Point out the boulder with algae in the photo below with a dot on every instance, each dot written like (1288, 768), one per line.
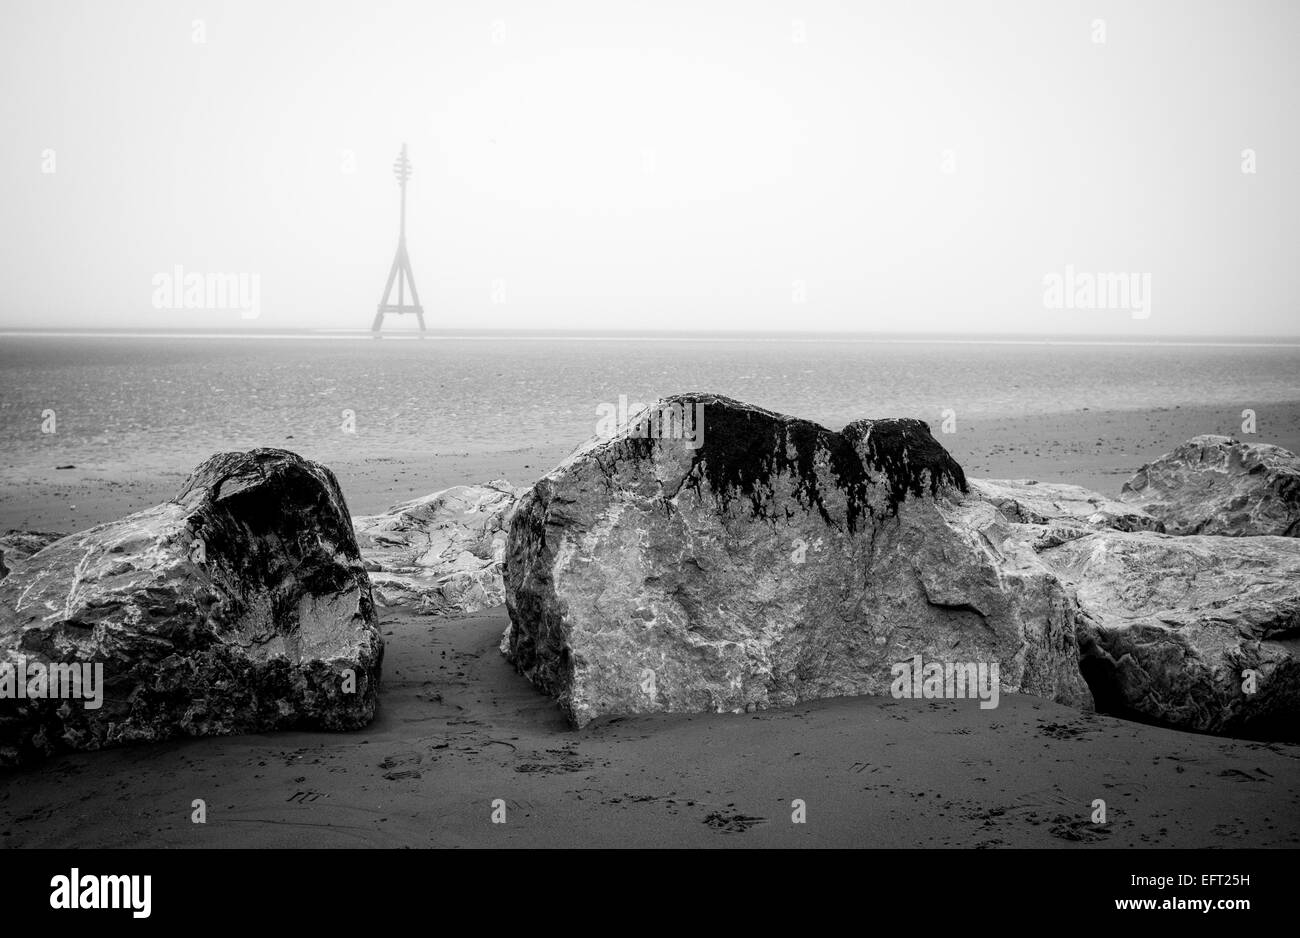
(770, 561)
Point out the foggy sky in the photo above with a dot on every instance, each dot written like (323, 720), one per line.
(654, 165)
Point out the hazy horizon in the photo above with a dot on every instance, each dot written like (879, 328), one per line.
(404, 331)
(669, 167)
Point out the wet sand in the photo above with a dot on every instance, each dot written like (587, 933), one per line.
(1099, 450)
(458, 729)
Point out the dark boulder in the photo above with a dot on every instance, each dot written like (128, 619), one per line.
(241, 606)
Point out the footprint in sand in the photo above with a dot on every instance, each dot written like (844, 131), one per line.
(306, 797)
(554, 761)
(858, 768)
(1078, 829)
(1063, 730)
(401, 765)
(732, 823)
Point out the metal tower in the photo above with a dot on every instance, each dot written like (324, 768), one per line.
(401, 270)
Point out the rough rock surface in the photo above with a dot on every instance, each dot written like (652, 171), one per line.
(239, 607)
(1172, 624)
(1030, 502)
(442, 553)
(775, 563)
(19, 545)
(1217, 485)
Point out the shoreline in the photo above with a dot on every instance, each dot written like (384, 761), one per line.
(1096, 449)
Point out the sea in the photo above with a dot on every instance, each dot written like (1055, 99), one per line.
(168, 399)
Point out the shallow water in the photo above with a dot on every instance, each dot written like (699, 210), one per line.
(162, 400)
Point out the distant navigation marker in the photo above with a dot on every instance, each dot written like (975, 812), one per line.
(401, 271)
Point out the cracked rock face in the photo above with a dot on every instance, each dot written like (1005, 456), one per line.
(442, 554)
(241, 606)
(772, 562)
(1173, 626)
(1217, 485)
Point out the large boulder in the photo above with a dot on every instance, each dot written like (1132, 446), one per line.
(442, 553)
(1031, 502)
(1197, 632)
(1217, 485)
(241, 606)
(764, 560)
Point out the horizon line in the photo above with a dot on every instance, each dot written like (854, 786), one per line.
(669, 335)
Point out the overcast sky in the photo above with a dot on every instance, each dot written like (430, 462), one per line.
(655, 165)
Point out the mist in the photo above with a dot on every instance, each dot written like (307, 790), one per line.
(924, 167)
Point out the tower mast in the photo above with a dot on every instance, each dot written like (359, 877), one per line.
(401, 269)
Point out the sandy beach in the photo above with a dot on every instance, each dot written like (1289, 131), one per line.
(649, 427)
(458, 730)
